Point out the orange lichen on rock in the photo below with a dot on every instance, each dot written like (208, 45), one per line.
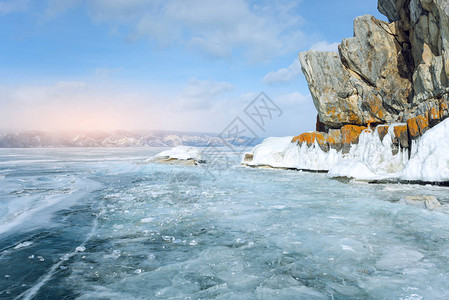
(321, 139)
(434, 114)
(375, 107)
(417, 126)
(444, 109)
(350, 135)
(413, 129)
(423, 123)
(307, 137)
(295, 139)
(401, 135)
(310, 137)
(334, 139)
(382, 131)
(346, 116)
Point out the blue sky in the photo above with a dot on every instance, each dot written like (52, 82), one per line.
(177, 65)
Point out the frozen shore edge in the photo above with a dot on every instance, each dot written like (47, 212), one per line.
(371, 160)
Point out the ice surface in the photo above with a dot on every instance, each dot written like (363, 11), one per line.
(398, 258)
(247, 234)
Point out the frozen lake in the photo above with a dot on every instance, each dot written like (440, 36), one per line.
(100, 224)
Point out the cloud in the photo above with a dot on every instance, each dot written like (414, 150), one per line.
(201, 94)
(57, 7)
(76, 105)
(292, 99)
(284, 75)
(67, 89)
(325, 46)
(206, 88)
(119, 10)
(105, 72)
(11, 6)
(201, 106)
(68, 105)
(217, 29)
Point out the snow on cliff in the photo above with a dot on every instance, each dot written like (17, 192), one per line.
(370, 159)
(429, 159)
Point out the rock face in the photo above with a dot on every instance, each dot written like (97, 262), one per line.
(389, 78)
(388, 72)
(332, 92)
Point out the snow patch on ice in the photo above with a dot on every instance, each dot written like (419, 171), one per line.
(80, 249)
(23, 245)
(180, 153)
(147, 220)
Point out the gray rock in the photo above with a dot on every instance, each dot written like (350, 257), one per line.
(334, 97)
(374, 54)
(248, 157)
(366, 83)
(388, 9)
(386, 71)
(429, 79)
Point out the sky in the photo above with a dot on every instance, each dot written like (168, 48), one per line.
(184, 65)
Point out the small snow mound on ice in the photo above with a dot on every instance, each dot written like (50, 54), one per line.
(180, 153)
(80, 249)
(23, 244)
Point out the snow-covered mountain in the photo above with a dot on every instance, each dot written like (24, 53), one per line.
(36, 139)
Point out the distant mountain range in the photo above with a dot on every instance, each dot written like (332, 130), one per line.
(41, 139)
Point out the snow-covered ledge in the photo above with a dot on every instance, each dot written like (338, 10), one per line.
(369, 160)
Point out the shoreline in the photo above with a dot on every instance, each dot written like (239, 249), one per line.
(349, 179)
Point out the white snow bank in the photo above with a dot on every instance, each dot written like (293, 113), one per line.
(270, 152)
(279, 152)
(370, 159)
(353, 169)
(429, 159)
(180, 153)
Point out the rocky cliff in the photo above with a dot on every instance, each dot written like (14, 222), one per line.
(388, 73)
